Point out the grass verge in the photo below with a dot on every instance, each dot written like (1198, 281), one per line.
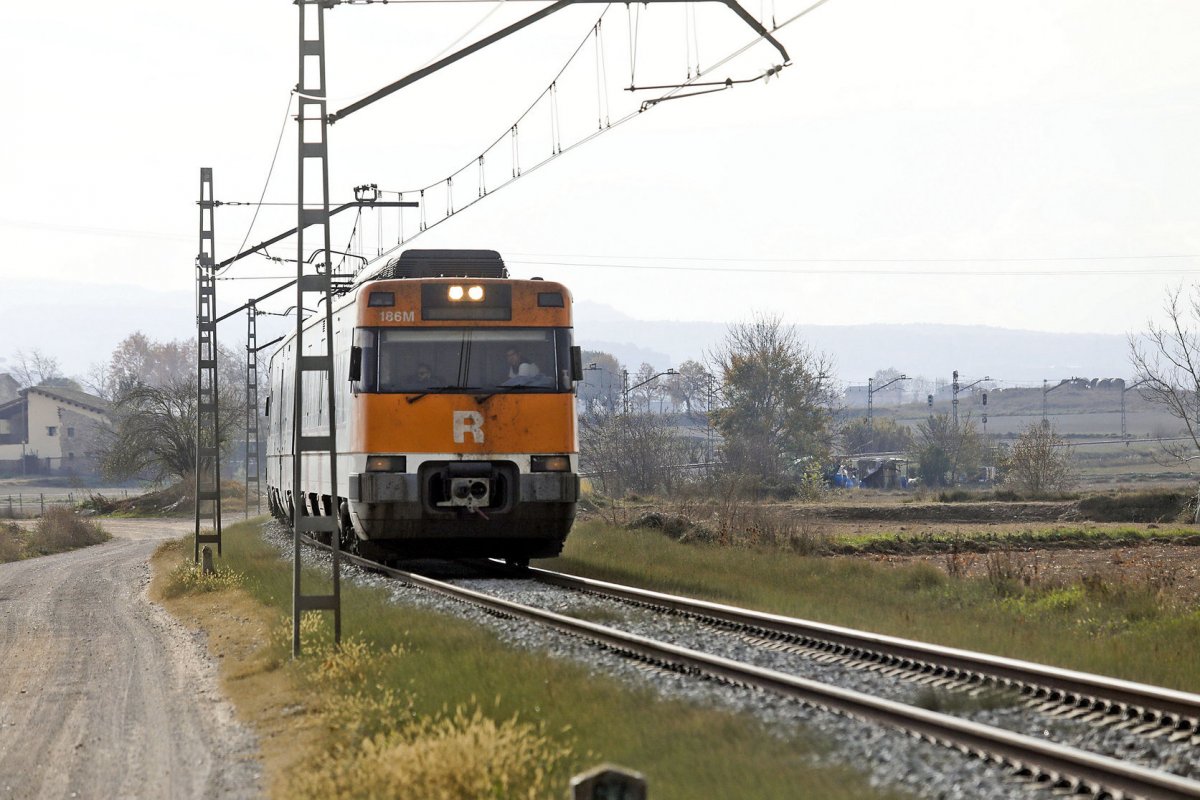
(417, 704)
(983, 541)
(1129, 627)
(59, 530)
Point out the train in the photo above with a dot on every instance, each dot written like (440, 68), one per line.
(454, 416)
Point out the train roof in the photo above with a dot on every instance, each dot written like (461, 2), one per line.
(442, 264)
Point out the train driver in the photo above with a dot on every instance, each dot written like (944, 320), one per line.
(519, 366)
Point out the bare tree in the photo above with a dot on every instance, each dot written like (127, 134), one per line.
(152, 386)
(1039, 462)
(38, 369)
(154, 429)
(631, 452)
(1166, 360)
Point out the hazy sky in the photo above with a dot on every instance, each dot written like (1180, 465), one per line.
(1019, 164)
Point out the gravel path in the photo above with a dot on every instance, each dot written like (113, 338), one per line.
(105, 694)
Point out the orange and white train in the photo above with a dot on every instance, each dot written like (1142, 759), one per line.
(454, 417)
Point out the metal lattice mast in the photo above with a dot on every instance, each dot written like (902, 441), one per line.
(208, 469)
(314, 372)
(252, 466)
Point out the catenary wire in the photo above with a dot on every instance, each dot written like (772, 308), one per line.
(270, 171)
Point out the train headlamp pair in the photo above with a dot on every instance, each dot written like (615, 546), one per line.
(457, 293)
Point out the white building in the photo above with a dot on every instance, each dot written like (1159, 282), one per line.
(51, 430)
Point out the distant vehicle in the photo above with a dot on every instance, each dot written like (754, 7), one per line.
(455, 413)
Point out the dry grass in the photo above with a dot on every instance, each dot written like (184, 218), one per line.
(324, 732)
(463, 754)
(190, 578)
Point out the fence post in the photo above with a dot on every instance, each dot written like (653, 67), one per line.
(21, 502)
(42, 498)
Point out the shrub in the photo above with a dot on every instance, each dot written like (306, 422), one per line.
(11, 548)
(61, 529)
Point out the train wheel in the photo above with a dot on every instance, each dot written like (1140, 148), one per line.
(518, 562)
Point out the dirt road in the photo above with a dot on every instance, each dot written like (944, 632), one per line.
(103, 694)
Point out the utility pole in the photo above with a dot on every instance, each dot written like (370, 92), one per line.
(954, 403)
(312, 209)
(871, 393)
(252, 467)
(1046, 390)
(1123, 391)
(208, 453)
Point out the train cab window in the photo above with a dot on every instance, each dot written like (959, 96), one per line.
(474, 360)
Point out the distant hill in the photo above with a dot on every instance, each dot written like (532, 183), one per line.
(81, 324)
(932, 351)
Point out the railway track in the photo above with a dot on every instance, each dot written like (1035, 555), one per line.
(1150, 711)
(1065, 769)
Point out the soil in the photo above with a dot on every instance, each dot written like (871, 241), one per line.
(105, 694)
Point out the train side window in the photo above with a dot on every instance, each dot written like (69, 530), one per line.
(365, 344)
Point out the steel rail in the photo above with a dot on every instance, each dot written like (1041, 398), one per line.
(1057, 761)
(1183, 707)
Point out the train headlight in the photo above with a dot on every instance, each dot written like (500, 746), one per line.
(550, 464)
(455, 293)
(387, 464)
(475, 293)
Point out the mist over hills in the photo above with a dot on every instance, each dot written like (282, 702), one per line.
(80, 325)
(932, 351)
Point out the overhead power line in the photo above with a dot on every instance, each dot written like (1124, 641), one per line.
(799, 268)
(890, 260)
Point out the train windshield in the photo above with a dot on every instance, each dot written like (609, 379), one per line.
(409, 360)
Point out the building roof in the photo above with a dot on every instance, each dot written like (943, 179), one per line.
(88, 401)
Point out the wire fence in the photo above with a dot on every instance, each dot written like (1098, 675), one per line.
(30, 505)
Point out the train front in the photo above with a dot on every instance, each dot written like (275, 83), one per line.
(462, 426)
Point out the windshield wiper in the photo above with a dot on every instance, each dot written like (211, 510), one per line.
(432, 389)
(522, 387)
